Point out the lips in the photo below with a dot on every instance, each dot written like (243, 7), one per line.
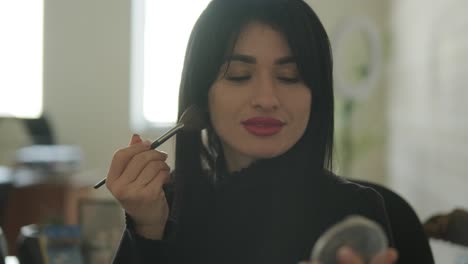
(263, 126)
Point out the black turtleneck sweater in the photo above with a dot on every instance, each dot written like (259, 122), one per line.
(271, 212)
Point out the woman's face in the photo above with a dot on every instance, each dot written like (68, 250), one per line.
(259, 106)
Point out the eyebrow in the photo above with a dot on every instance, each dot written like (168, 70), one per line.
(252, 60)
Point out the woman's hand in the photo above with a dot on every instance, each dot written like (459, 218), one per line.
(346, 256)
(135, 178)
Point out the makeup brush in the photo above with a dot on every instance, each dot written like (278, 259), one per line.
(192, 119)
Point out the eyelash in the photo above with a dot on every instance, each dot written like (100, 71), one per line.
(238, 78)
(247, 77)
(289, 80)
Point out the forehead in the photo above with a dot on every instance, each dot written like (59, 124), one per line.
(261, 40)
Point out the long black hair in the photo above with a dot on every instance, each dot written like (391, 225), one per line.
(213, 36)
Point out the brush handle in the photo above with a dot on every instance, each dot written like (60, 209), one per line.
(158, 142)
(166, 136)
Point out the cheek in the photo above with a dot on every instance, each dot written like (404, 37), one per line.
(218, 107)
(212, 106)
(302, 107)
(307, 110)
(216, 98)
(224, 100)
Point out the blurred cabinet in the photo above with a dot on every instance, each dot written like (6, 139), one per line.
(34, 204)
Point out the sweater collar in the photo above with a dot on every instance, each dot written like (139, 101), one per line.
(289, 169)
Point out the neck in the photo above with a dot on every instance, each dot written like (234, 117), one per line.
(234, 164)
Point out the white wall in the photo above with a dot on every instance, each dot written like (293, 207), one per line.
(369, 118)
(429, 129)
(87, 76)
(332, 12)
(86, 62)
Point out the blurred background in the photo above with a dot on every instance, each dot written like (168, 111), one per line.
(81, 76)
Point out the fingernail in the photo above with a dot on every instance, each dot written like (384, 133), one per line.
(134, 138)
(393, 255)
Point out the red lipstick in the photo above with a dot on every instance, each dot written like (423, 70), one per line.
(263, 126)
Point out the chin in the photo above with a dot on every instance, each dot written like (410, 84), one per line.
(259, 153)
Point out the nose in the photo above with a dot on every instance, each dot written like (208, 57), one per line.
(265, 97)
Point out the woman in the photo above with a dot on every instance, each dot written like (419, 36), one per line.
(258, 190)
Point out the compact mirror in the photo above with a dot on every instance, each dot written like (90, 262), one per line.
(363, 236)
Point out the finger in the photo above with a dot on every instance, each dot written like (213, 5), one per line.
(347, 256)
(122, 157)
(156, 184)
(135, 139)
(138, 163)
(151, 170)
(386, 257)
(393, 255)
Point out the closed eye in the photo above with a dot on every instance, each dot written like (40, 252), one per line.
(238, 78)
(289, 80)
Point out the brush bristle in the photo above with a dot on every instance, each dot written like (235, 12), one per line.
(193, 119)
